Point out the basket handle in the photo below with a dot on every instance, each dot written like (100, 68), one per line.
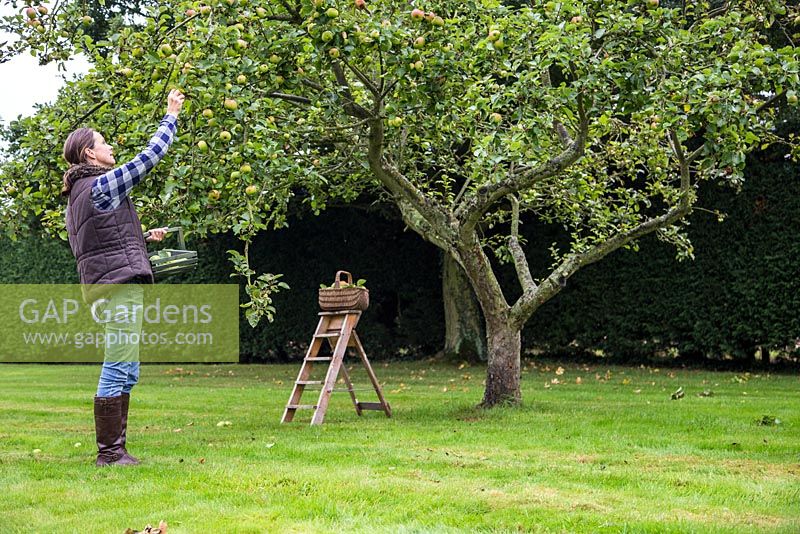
(171, 229)
(339, 278)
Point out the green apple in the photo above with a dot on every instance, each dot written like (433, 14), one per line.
(251, 190)
(333, 52)
(246, 168)
(332, 12)
(202, 146)
(230, 104)
(417, 14)
(213, 195)
(241, 79)
(327, 36)
(207, 113)
(274, 59)
(165, 49)
(419, 42)
(225, 135)
(496, 118)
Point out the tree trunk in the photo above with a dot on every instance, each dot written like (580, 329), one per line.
(464, 334)
(503, 372)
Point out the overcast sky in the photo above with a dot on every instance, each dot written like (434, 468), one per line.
(25, 82)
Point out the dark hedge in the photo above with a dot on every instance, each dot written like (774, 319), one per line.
(741, 292)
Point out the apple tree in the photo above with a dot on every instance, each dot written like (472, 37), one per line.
(602, 117)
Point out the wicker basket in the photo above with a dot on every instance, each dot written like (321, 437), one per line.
(338, 298)
(170, 261)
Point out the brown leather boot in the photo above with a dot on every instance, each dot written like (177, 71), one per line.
(124, 403)
(107, 426)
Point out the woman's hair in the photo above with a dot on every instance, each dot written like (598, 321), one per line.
(75, 153)
(76, 145)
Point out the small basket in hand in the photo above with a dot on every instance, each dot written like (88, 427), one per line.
(343, 295)
(170, 261)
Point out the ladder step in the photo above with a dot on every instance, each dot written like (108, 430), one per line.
(329, 334)
(301, 406)
(370, 406)
(308, 382)
(343, 312)
(319, 359)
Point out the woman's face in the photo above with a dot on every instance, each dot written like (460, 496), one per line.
(101, 153)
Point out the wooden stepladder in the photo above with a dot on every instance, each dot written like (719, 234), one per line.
(338, 329)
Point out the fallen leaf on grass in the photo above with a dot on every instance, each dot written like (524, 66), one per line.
(578, 380)
(560, 371)
(706, 393)
(678, 394)
(224, 423)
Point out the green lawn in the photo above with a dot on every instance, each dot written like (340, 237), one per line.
(610, 452)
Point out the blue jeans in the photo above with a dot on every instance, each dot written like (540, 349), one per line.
(117, 378)
(121, 310)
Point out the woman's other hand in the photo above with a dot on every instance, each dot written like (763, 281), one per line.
(156, 234)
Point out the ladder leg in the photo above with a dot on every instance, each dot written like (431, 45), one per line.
(348, 325)
(303, 375)
(349, 383)
(374, 379)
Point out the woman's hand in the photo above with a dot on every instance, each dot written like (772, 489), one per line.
(174, 102)
(156, 234)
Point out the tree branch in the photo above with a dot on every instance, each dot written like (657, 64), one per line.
(293, 10)
(363, 79)
(682, 162)
(439, 221)
(290, 98)
(520, 261)
(474, 206)
(566, 139)
(350, 105)
(557, 280)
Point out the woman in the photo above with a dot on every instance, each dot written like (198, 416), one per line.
(106, 237)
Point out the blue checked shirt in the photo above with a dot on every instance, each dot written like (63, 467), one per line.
(111, 188)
